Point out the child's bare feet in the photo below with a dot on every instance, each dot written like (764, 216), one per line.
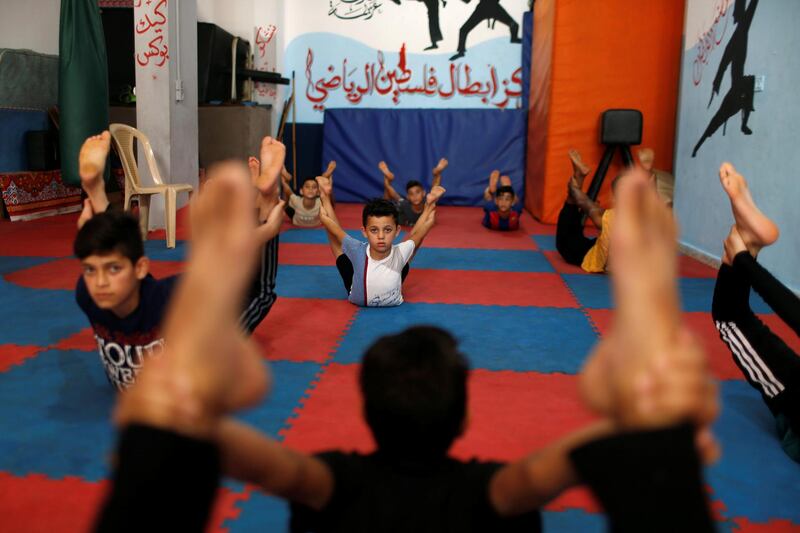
(733, 245)
(325, 185)
(755, 228)
(384, 168)
(646, 158)
(579, 169)
(440, 166)
(494, 177)
(436, 192)
(329, 171)
(505, 181)
(255, 169)
(91, 163)
(273, 154)
(209, 367)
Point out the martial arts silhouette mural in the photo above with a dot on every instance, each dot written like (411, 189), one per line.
(740, 96)
(492, 11)
(433, 21)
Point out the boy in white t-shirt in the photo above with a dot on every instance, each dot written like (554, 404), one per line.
(304, 208)
(373, 271)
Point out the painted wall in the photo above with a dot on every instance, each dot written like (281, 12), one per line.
(768, 156)
(30, 24)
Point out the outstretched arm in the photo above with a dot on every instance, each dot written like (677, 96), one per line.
(250, 456)
(327, 214)
(269, 229)
(437, 172)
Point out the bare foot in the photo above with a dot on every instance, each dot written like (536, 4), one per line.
(255, 169)
(436, 192)
(734, 245)
(646, 158)
(91, 163)
(384, 168)
(755, 228)
(325, 185)
(209, 367)
(494, 177)
(505, 181)
(329, 171)
(579, 169)
(273, 154)
(440, 166)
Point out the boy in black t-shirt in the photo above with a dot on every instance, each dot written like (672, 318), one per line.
(647, 377)
(124, 303)
(412, 206)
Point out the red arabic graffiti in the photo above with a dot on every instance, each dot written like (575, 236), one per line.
(152, 26)
(263, 37)
(707, 42)
(397, 81)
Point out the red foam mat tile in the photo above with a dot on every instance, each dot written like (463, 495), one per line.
(561, 266)
(14, 354)
(305, 254)
(531, 226)
(510, 415)
(719, 357)
(83, 340)
(773, 526)
(45, 237)
(349, 215)
(64, 273)
(692, 268)
(36, 503)
(182, 228)
(538, 289)
(302, 329)
(225, 508)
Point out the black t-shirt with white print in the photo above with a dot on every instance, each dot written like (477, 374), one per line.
(124, 343)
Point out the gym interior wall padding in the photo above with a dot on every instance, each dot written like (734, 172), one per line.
(589, 56)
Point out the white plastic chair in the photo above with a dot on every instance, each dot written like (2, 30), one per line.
(124, 138)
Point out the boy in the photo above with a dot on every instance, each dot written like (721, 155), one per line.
(304, 208)
(576, 249)
(500, 211)
(645, 469)
(123, 302)
(769, 365)
(412, 206)
(264, 175)
(373, 272)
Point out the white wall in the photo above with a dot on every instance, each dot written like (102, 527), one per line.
(30, 24)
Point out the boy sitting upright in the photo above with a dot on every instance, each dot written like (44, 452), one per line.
(500, 212)
(124, 303)
(373, 271)
(412, 206)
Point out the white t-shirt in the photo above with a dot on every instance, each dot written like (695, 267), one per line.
(384, 278)
(307, 218)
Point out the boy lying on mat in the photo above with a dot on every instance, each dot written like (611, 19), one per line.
(373, 271)
(411, 207)
(501, 210)
(303, 209)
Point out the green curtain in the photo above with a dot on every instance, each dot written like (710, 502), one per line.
(82, 81)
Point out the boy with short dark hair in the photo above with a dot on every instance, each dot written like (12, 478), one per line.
(500, 210)
(643, 460)
(124, 303)
(373, 272)
(303, 209)
(411, 207)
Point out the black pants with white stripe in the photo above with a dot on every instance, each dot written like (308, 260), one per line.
(262, 295)
(765, 360)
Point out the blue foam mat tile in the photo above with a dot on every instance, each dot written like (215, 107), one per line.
(158, 251)
(576, 520)
(754, 478)
(300, 281)
(10, 264)
(55, 416)
(37, 316)
(493, 337)
(594, 292)
(477, 259)
(546, 243)
(291, 381)
(260, 513)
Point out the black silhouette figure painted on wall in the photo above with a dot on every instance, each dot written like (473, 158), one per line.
(486, 10)
(433, 20)
(740, 96)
